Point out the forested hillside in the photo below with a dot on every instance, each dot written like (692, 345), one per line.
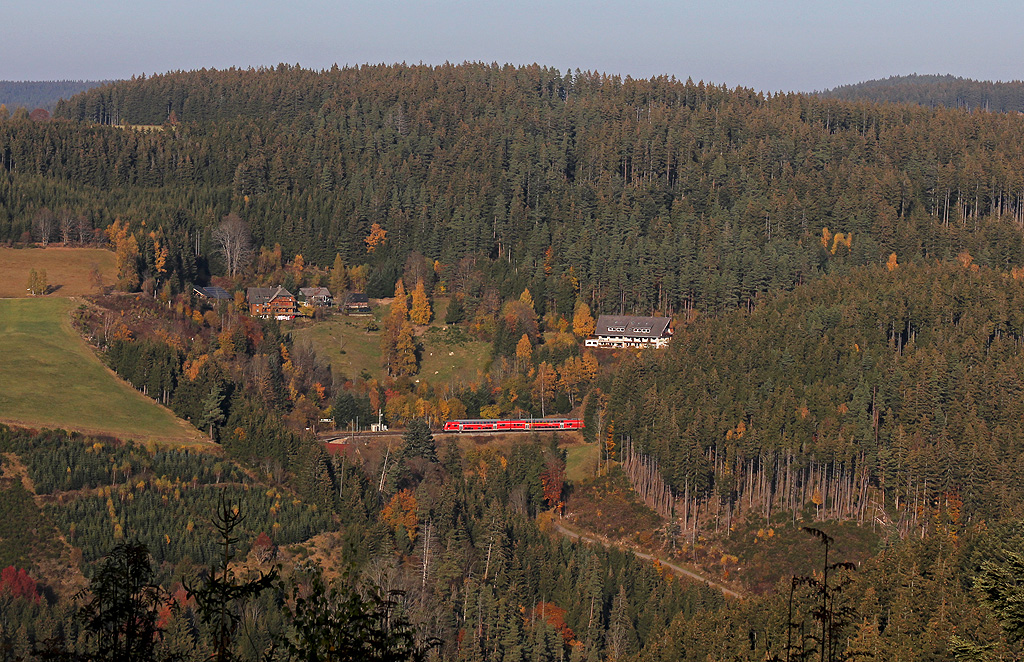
(845, 281)
(635, 195)
(931, 90)
(898, 387)
(41, 94)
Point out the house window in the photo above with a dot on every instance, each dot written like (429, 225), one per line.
(614, 329)
(643, 330)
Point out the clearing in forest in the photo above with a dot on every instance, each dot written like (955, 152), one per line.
(447, 353)
(68, 270)
(50, 378)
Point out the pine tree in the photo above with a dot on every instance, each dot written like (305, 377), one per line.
(212, 409)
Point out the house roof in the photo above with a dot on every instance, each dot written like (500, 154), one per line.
(314, 292)
(628, 326)
(259, 295)
(213, 292)
(357, 299)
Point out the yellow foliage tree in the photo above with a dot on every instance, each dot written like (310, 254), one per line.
(570, 376)
(405, 353)
(588, 365)
(891, 263)
(420, 312)
(583, 323)
(339, 276)
(400, 306)
(126, 248)
(524, 349)
(375, 238)
(527, 298)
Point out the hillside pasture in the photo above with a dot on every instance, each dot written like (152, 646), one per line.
(447, 353)
(50, 378)
(68, 270)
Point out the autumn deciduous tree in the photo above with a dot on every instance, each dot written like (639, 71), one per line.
(583, 323)
(524, 350)
(544, 385)
(263, 548)
(400, 511)
(18, 583)
(375, 238)
(397, 345)
(339, 277)
(37, 282)
(404, 363)
(420, 312)
(126, 248)
(552, 479)
(570, 376)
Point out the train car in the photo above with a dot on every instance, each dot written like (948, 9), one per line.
(512, 425)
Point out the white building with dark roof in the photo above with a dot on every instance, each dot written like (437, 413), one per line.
(630, 331)
(316, 296)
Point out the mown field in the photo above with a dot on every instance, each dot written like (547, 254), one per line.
(353, 351)
(67, 269)
(50, 378)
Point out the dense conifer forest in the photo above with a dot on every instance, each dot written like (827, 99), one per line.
(931, 90)
(41, 94)
(845, 283)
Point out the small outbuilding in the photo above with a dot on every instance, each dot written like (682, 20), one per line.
(212, 293)
(357, 303)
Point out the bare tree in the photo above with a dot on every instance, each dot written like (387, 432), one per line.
(84, 228)
(234, 242)
(42, 225)
(67, 225)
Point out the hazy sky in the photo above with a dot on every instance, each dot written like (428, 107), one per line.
(782, 45)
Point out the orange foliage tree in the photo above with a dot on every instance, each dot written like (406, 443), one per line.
(375, 238)
(401, 511)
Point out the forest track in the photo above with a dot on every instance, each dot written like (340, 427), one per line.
(677, 569)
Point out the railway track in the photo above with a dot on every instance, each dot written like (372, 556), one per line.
(336, 437)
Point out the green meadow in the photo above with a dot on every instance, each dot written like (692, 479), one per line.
(50, 378)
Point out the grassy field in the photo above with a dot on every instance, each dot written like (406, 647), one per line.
(580, 461)
(50, 378)
(67, 269)
(352, 350)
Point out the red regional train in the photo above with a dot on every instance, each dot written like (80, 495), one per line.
(513, 425)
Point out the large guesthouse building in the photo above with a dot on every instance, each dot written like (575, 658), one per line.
(629, 331)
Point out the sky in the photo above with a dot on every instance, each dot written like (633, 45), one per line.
(785, 45)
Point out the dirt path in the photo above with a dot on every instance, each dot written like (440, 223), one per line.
(679, 570)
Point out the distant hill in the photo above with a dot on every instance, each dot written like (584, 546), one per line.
(41, 94)
(933, 90)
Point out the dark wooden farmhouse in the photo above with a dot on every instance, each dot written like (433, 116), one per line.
(357, 303)
(275, 302)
